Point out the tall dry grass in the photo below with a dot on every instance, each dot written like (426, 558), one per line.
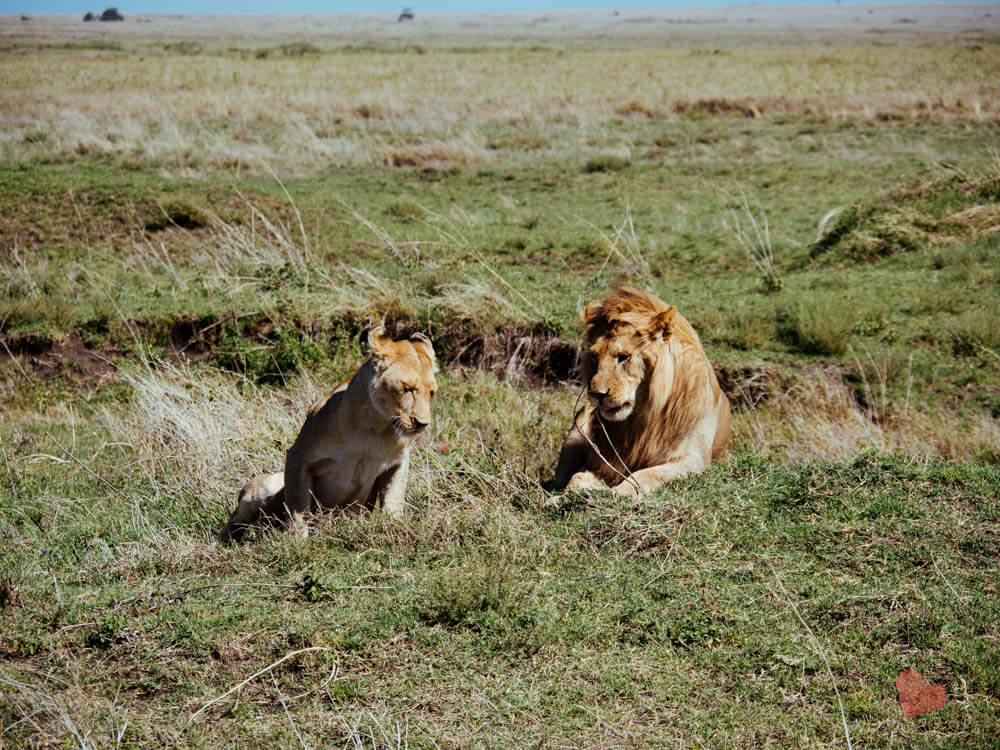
(818, 415)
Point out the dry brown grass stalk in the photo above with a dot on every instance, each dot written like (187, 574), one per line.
(818, 416)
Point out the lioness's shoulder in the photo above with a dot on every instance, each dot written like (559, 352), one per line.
(319, 404)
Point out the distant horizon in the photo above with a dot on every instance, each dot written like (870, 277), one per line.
(267, 7)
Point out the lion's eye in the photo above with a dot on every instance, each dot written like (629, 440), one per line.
(622, 358)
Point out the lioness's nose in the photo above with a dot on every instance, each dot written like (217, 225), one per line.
(597, 395)
(418, 425)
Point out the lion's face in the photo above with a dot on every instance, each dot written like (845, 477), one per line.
(617, 365)
(404, 386)
(623, 342)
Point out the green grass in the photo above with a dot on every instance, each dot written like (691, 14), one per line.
(851, 534)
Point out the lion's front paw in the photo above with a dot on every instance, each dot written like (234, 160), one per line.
(584, 480)
(629, 487)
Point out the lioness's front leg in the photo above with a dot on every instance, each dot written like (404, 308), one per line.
(390, 487)
(298, 494)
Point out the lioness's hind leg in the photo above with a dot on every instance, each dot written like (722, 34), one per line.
(260, 494)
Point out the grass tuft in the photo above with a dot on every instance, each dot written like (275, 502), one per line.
(817, 323)
(608, 162)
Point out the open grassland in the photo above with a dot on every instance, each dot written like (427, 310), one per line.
(198, 217)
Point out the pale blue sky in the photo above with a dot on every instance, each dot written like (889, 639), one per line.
(345, 6)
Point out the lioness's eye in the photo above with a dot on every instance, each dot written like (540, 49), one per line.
(623, 357)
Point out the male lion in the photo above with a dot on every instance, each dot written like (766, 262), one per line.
(354, 449)
(654, 410)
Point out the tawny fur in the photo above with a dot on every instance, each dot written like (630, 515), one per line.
(654, 408)
(353, 450)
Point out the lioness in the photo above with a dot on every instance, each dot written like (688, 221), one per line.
(354, 448)
(654, 409)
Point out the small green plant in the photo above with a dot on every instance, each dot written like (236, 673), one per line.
(108, 632)
(313, 588)
(29, 642)
(690, 630)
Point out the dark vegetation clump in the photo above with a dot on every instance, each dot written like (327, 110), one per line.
(607, 163)
(299, 49)
(178, 213)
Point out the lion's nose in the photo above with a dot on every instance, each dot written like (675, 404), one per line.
(419, 426)
(598, 396)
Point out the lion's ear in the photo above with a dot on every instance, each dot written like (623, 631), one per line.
(593, 313)
(661, 323)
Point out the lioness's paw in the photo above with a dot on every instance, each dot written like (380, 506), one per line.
(298, 525)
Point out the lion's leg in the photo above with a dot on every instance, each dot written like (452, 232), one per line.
(694, 456)
(255, 497)
(574, 454)
(648, 479)
(391, 487)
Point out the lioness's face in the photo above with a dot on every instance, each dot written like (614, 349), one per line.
(405, 385)
(616, 369)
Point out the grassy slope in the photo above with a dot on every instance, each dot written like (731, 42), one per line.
(489, 618)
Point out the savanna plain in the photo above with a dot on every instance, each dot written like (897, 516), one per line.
(200, 215)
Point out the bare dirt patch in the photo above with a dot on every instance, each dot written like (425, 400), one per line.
(70, 358)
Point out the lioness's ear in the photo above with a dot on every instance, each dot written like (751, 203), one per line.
(660, 325)
(379, 342)
(419, 339)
